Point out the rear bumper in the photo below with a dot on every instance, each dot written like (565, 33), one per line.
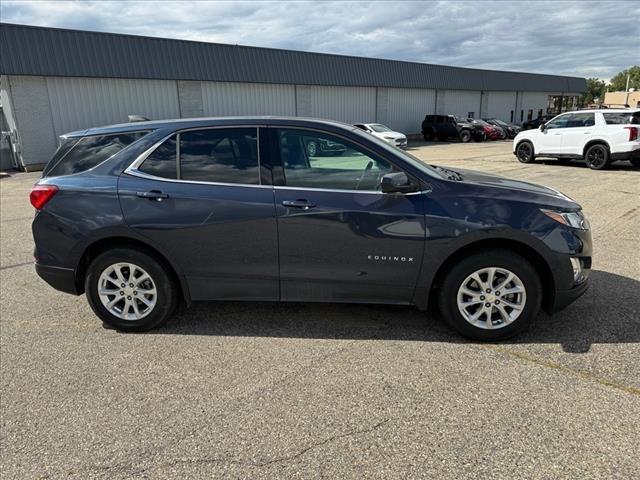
(63, 279)
(630, 155)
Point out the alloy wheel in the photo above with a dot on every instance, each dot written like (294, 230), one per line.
(491, 298)
(596, 157)
(524, 152)
(127, 291)
(312, 149)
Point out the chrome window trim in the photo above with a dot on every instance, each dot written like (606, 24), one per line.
(335, 190)
(132, 169)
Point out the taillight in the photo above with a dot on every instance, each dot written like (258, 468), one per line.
(633, 133)
(41, 194)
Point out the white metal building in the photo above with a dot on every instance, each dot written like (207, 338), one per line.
(53, 81)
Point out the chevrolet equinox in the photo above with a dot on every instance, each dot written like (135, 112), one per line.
(142, 217)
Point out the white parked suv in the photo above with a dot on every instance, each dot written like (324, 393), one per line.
(598, 137)
(385, 133)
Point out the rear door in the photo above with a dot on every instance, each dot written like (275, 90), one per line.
(340, 238)
(579, 130)
(204, 196)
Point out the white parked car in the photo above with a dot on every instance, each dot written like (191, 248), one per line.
(385, 133)
(598, 137)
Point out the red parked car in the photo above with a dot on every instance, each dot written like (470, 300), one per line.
(491, 131)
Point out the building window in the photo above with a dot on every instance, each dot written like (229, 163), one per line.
(521, 115)
(539, 113)
(471, 114)
(530, 114)
(511, 118)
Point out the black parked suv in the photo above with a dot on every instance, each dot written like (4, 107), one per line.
(144, 216)
(445, 127)
(536, 122)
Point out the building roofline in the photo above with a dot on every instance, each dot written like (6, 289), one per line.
(107, 54)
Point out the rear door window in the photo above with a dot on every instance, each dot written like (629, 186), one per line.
(622, 118)
(220, 155)
(162, 161)
(88, 152)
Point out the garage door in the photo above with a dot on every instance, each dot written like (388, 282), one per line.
(460, 102)
(407, 107)
(222, 98)
(500, 105)
(345, 104)
(79, 103)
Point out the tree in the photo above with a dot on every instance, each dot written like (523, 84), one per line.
(618, 82)
(595, 90)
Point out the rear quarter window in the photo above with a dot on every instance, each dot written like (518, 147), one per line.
(81, 154)
(622, 118)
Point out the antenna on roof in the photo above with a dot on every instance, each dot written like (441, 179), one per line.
(137, 118)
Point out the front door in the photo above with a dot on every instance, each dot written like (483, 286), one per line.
(212, 211)
(550, 140)
(340, 238)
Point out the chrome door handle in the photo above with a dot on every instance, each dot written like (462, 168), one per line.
(156, 195)
(299, 203)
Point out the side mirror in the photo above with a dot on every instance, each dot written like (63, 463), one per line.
(396, 182)
(542, 127)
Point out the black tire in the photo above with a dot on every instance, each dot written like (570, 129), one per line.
(525, 152)
(429, 135)
(465, 136)
(635, 162)
(502, 259)
(166, 291)
(597, 157)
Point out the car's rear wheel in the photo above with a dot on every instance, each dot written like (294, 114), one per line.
(525, 153)
(428, 136)
(465, 136)
(597, 157)
(491, 295)
(130, 290)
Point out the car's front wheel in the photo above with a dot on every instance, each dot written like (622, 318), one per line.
(465, 136)
(491, 295)
(130, 290)
(525, 153)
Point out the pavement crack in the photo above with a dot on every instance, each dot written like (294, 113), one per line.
(562, 369)
(6, 267)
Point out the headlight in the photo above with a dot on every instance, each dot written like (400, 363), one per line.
(570, 219)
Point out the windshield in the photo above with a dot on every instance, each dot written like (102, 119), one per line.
(377, 127)
(407, 157)
(480, 122)
(500, 122)
(461, 119)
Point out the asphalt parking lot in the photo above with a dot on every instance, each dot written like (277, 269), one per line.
(255, 390)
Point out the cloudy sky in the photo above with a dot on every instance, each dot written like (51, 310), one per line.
(581, 38)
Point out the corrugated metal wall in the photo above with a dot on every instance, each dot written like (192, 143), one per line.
(407, 107)
(534, 101)
(223, 98)
(79, 103)
(500, 104)
(460, 102)
(345, 104)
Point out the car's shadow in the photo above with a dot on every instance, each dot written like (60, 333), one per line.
(608, 313)
(621, 165)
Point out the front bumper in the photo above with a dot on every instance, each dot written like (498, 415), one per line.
(63, 279)
(563, 298)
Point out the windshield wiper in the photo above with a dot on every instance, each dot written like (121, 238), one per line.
(450, 174)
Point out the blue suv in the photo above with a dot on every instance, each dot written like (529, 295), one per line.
(145, 216)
